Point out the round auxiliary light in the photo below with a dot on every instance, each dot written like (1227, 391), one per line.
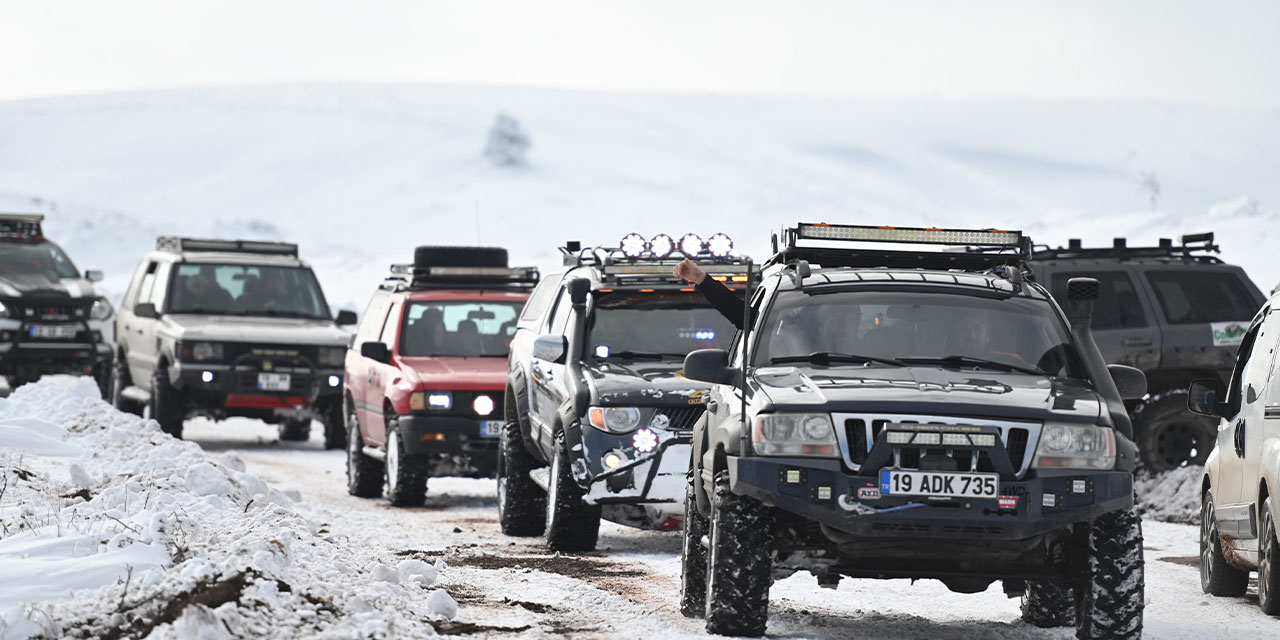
(691, 244)
(720, 245)
(633, 245)
(662, 245)
(645, 440)
(483, 405)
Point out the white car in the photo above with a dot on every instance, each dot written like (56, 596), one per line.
(1239, 508)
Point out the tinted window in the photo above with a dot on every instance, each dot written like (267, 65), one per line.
(1190, 297)
(42, 259)
(560, 315)
(246, 290)
(1117, 306)
(458, 328)
(657, 324)
(542, 296)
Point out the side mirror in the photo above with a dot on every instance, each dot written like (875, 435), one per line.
(550, 348)
(94, 275)
(376, 351)
(345, 317)
(578, 290)
(146, 310)
(1130, 382)
(1203, 396)
(710, 365)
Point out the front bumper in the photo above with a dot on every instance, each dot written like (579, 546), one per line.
(656, 477)
(854, 504)
(240, 384)
(451, 435)
(25, 356)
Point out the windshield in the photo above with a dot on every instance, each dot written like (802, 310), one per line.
(897, 327)
(655, 325)
(246, 290)
(458, 328)
(36, 259)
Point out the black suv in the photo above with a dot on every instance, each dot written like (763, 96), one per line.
(598, 415)
(51, 319)
(899, 414)
(1177, 313)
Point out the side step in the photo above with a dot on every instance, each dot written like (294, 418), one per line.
(542, 476)
(136, 394)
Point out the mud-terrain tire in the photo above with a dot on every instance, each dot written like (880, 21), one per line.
(406, 474)
(120, 380)
(1268, 572)
(739, 564)
(1166, 432)
(102, 375)
(335, 430)
(436, 256)
(166, 405)
(1110, 590)
(1217, 577)
(364, 474)
(572, 524)
(1047, 603)
(693, 558)
(521, 502)
(294, 429)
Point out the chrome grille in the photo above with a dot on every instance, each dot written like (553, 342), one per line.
(682, 417)
(861, 430)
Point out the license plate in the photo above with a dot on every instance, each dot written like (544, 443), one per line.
(491, 428)
(937, 483)
(273, 381)
(52, 331)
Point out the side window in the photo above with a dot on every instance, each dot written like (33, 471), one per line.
(371, 320)
(1192, 297)
(1258, 371)
(1117, 306)
(131, 295)
(148, 283)
(1243, 370)
(542, 296)
(391, 327)
(560, 315)
(160, 289)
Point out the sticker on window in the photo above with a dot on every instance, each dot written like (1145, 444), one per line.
(1228, 333)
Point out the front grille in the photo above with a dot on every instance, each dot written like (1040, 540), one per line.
(682, 417)
(901, 527)
(59, 311)
(971, 530)
(860, 432)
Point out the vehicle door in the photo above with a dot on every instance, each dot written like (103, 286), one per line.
(533, 317)
(1243, 410)
(143, 347)
(1261, 420)
(1122, 316)
(382, 374)
(359, 370)
(1205, 311)
(124, 315)
(548, 391)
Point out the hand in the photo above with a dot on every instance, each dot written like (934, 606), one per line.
(690, 272)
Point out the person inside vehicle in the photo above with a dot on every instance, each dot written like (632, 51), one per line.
(199, 291)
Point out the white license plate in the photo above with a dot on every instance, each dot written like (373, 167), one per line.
(273, 381)
(491, 428)
(939, 483)
(52, 331)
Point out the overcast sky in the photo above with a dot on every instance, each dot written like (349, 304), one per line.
(1213, 51)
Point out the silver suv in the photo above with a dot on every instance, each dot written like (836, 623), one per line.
(228, 328)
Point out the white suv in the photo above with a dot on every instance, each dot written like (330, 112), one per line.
(1239, 508)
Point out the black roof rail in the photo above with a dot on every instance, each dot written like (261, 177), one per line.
(1194, 246)
(983, 249)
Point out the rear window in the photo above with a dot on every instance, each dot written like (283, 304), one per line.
(1195, 297)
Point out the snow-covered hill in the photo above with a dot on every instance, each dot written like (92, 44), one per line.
(359, 174)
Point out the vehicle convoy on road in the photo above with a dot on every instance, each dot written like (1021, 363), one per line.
(894, 413)
(51, 319)
(1238, 504)
(1176, 312)
(598, 415)
(425, 376)
(228, 328)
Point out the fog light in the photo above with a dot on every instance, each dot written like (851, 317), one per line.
(823, 493)
(483, 405)
(613, 459)
(645, 440)
(1079, 486)
(206, 376)
(983, 440)
(899, 437)
(334, 381)
(1049, 500)
(794, 476)
(440, 400)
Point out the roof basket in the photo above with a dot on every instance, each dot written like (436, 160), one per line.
(1191, 245)
(21, 226)
(176, 244)
(984, 249)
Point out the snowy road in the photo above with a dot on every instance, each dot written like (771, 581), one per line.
(510, 587)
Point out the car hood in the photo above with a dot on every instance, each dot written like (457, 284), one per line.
(457, 373)
(17, 284)
(256, 330)
(641, 383)
(930, 391)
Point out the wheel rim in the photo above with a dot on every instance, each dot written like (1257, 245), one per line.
(393, 461)
(1206, 543)
(1264, 563)
(1180, 443)
(553, 487)
(353, 447)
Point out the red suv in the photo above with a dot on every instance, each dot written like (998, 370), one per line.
(425, 373)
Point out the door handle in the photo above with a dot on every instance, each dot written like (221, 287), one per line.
(1239, 438)
(712, 405)
(1136, 342)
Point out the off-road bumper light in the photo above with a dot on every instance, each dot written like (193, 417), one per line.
(483, 405)
(206, 376)
(334, 381)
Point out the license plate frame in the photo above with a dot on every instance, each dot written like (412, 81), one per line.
(939, 484)
(491, 428)
(274, 381)
(52, 331)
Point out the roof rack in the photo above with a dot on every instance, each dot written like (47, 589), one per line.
(405, 277)
(617, 267)
(21, 226)
(1192, 244)
(176, 244)
(984, 249)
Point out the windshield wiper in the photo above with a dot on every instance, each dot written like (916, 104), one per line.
(644, 355)
(828, 357)
(208, 312)
(958, 360)
(275, 313)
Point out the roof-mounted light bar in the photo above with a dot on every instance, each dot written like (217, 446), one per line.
(21, 226)
(437, 277)
(177, 244)
(909, 235)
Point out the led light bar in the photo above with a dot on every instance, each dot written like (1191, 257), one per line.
(955, 440)
(177, 244)
(898, 437)
(909, 235)
(928, 439)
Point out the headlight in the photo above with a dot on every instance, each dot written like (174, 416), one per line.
(794, 434)
(101, 309)
(332, 356)
(614, 419)
(483, 405)
(4, 311)
(423, 400)
(201, 351)
(1076, 446)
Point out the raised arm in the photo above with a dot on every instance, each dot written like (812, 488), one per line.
(720, 297)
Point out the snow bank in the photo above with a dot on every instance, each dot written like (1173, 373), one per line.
(109, 527)
(1173, 496)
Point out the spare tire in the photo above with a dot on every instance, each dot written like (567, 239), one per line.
(427, 256)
